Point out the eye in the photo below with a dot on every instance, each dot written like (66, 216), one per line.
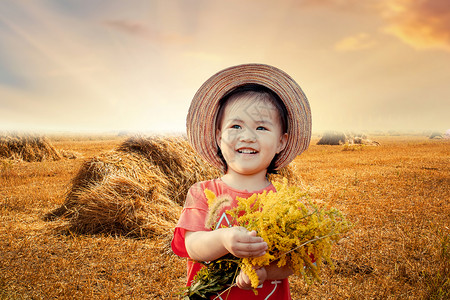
(235, 126)
(261, 128)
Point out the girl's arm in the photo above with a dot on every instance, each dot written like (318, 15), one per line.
(211, 245)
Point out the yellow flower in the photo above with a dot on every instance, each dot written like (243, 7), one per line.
(210, 196)
(294, 228)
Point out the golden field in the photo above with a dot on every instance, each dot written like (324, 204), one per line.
(397, 196)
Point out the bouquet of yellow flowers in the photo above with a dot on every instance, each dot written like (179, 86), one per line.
(298, 232)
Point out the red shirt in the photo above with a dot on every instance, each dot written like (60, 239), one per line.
(193, 218)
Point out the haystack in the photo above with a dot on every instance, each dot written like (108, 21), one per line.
(28, 148)
(136, 190)
(351, 138)
(358, 140)
(332, 138)
(436, 135)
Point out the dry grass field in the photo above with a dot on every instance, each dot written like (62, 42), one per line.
(397, 195)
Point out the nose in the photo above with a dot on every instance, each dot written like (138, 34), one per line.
(247, 135)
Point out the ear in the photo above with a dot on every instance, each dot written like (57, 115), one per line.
(218, 137)
(283, 142)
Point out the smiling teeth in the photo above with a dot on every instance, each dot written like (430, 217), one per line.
(247, 151)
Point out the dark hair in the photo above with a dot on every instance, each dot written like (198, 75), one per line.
(266, 94)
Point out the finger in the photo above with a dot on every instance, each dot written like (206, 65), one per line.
(252, 233)
(248, 249)
(247, 280)
(244, 280)
(242, 254)
(243, 229)
(240, 282)
(248, 238)
(254, 249)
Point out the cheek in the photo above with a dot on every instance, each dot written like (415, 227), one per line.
(228, 137)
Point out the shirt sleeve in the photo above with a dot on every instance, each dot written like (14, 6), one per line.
(178, 245)
(193, 217)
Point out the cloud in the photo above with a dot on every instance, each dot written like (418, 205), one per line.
(422, 24)
(338, 4)
(141, 30)
(354, 43)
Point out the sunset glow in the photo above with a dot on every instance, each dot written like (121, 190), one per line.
(135, 65)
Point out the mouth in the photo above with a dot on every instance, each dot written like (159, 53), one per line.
(247, 151)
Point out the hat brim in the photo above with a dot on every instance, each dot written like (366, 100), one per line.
(201, 118)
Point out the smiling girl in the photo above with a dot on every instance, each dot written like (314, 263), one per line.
(248, 120)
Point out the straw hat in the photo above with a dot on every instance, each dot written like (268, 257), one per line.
(201, 118)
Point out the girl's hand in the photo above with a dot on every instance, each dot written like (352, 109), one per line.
(243, 282)
(210, 245)
(243, 243)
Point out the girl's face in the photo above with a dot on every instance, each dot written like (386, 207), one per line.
(250, 135)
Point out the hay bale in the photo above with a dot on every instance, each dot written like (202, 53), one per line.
(123, 206)
(362, 141)
(136, 190)
(332, 138)
(436, 135)
(69, 154)
(98, 170)
(28, 148)
(351, 138)
(176, 159)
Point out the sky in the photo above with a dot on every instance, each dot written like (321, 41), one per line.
(134, 66)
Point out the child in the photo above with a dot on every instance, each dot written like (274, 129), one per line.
(247, 120)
